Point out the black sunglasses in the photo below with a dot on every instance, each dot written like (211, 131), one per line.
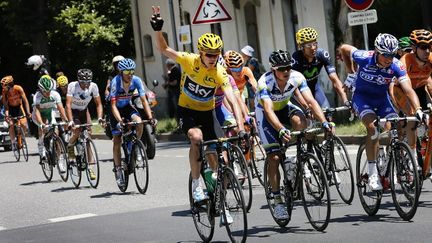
(424, 47)
(211, 55)
(283, 68)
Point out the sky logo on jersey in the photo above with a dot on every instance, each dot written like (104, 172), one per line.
(198, 92)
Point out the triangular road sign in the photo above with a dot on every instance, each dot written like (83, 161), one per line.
(210, 11)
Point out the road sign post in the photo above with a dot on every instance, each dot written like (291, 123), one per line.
(362, 17)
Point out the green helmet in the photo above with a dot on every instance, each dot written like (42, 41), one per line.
(405, 42)
(46, 83)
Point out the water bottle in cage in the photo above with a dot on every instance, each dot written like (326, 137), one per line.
(381, 158)
(79, 147)
(290, 167)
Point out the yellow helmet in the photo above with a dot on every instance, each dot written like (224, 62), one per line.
(7, 80)
(210, 43)
(62, 81)
(307, 34)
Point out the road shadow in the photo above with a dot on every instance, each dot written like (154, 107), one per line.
(111, 194)
(357, 219)
(63, 189)
(266, 231)
(172, 145)
(40, 182)
(183, 213)
(12, 162)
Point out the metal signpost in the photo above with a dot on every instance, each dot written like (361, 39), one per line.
(362, 17)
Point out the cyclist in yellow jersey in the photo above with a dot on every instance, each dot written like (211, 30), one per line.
(202, 75)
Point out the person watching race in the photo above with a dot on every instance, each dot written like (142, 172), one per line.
(122, 89)
(79, 95)
(44, 101)
(377, 69)
(14, 98)
(202, 75)
(273, 109)
(309, 60)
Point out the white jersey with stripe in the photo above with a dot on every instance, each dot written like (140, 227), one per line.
(81, 97)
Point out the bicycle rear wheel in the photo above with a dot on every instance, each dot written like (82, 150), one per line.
(369, 199)
(404, 181)
(92, 164)
(315, 193)
(60, 158)
(141, 168)
(233, 207)
(24, 148)
(47, 167)
(258, 157)
(202, 216)
(243, 174)
(287, 199)
(342, 172)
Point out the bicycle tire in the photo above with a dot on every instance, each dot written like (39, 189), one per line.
(24, 147)
(270, 198)
(232, 201)
(149, 139)
(345, 177)
(47, 168)
(75, 172)
(244, 177)
(406, 188)
(370, 200)
(258, 158)
(202, 216)
(94, 166)
(60, 156)
(15, 148)
(316, 186)
(124, 171)
(141, 168)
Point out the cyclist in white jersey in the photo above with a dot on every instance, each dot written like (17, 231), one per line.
(79, 95)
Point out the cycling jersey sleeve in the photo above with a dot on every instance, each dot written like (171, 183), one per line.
(361, 56)
(262, 91)
(233, 85)
(399, 70)
(224, 80)
(324, 57)
(139, 86)
(70, 89)
(94, 90)
(113, 88)
(56, 96)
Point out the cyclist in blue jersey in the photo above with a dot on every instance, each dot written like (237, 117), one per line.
(376, 70)
(309, 61)
(122, 89)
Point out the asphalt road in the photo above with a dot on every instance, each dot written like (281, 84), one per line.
(32, 210)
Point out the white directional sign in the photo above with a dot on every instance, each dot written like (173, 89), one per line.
(362, 17)
(210, 11)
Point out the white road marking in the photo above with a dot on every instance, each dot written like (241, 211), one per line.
(2, 228)
(72, 217)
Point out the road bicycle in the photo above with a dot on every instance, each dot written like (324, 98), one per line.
(238, 163)
(135, 158)
(257, 153)
(225, 198)
(397, 170)
(21, 144)
(303, 178)
(335, 159)
(86, 158)
(56, 154)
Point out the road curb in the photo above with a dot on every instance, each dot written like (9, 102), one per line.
(168, 137)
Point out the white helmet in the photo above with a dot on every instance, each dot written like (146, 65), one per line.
(36, 61)
(117, 58)
(386, 43)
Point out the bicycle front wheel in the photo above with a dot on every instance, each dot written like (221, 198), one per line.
(75, 172)
(141, 168)
(47, 168)
(23, 144)
(342, 172)
(233, 214)
(404, 181)
(60, 158)
(315, 193)
(369, 199)
(258, 158)
(243, 174)
(202, 215)
(15, 147)
(93, 172)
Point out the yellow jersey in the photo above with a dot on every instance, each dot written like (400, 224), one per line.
(198, 83)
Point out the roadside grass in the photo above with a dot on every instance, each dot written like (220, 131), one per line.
(167, 125)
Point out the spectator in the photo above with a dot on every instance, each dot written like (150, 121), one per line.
(253, 64)
(172, 85)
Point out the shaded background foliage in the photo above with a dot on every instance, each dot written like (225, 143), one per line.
(72, 34)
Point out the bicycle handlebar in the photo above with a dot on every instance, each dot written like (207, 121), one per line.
(86, 125)
(381, 121)
(220, 140)
(307, 131)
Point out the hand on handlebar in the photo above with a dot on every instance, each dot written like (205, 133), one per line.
(284, 135)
